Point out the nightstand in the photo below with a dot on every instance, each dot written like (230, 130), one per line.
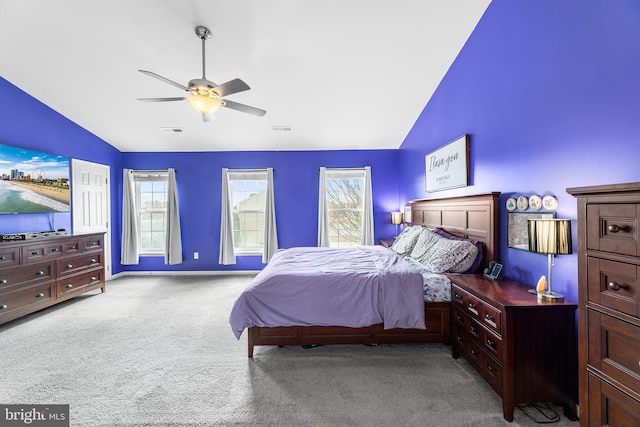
(524, 348)
(387, 242)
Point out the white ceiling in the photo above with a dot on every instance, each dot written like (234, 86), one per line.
(344, 74)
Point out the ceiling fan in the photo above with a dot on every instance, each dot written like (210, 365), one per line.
(205, 96)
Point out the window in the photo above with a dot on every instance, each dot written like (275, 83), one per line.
(345, 209)
(248, 202)
(151, 199)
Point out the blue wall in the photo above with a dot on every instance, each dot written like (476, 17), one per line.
(550, 94)
(26, 122)
(199, 182)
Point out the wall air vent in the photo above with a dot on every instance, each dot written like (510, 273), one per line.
(281, 128)
(171, 130)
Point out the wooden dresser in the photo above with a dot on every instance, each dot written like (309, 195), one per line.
(609, 313)
(525, 349)
(38, 272)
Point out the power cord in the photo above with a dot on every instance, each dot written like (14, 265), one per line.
(545, 411)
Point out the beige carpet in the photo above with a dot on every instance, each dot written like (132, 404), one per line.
(158, 351)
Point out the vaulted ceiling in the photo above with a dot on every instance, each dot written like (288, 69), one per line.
(341, 74)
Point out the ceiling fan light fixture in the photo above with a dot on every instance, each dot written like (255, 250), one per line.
(204, 103)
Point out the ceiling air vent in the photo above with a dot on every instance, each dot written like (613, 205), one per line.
(281, 128)
(171, 130)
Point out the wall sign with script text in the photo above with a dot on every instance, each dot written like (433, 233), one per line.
(448, 166)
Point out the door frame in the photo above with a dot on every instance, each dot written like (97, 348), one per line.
(76, 166)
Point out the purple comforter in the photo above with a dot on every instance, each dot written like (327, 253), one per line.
(352, 287)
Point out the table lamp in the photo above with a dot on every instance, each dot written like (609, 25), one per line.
(396, 219)
(551, 237)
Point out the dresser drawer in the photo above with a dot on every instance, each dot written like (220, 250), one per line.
(609, 406)
(614, 348)
(11, 278)
(94, 243)
(42, 251)
(23, 297)
(613, 227)
(78, 263)
(79, 283)
(478, 309)
(9, 256)
(614, 285)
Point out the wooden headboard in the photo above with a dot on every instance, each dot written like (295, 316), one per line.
(472, 217)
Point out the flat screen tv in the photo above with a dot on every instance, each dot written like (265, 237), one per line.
(33, 181)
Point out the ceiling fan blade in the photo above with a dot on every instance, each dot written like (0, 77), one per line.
(244, 108)
(208, 117)
(181, 98)
(164, 79)
(230, 87)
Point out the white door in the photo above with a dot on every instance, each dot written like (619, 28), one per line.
(91, 208)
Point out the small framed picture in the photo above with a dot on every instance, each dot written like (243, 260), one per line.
(517, 227)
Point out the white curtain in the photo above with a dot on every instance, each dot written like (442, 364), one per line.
(173, 239)
(270, 230)
(323, 215)
(367, 214)
(227, 254)
(130, 252)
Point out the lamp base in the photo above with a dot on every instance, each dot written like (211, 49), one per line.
(550, 296)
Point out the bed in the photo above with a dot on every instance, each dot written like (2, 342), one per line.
(469, 217)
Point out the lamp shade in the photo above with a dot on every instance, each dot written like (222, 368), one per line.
(396, 218)
(550, 236)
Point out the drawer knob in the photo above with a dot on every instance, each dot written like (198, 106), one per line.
(2, 258)
(3, 306)
(54, 249)
(40, 295)
(473, 328)
(93, 260)
(491, 368)
(614, 286)
(488, 317)
(69, 265)
(458, 296)
(615, 228)
(3, 281)
(93, 278)
(458, 317)
(490, 342)
(39, 273)
(69, 286)
(474, 351)
(472, 305)
(459, 338)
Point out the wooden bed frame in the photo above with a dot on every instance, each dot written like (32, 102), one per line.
(473, 217)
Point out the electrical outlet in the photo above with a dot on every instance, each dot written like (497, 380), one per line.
(196, 255)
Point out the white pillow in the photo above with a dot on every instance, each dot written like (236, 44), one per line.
(404, 243)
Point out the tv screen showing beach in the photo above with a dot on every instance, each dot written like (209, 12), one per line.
(33, 181)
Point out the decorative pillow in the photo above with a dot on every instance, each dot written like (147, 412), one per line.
(478, 260)
(426, 240)
(449, 256)
(403, 245)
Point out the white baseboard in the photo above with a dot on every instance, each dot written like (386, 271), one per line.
(184, 273)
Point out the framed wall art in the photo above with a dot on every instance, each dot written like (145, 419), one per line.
(517, 227)
(448, 166)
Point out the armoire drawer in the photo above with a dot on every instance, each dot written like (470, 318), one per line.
(614, 284)
(609, 406)
(613, 227)
(9, 256)
(614, 348)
